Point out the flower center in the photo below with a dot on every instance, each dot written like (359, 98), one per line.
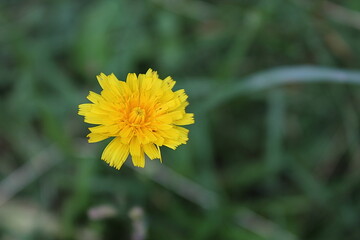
(137, 116)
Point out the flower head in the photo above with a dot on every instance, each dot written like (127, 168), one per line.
(142, 114)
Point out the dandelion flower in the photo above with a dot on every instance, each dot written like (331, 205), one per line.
(141, 114)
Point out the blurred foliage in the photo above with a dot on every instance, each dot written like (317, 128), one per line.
(273, 154)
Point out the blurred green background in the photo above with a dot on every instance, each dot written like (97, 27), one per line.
(275, 150)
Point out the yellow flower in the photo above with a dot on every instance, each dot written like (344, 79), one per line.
(141, 114)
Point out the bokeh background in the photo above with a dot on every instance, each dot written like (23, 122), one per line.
(274, 153)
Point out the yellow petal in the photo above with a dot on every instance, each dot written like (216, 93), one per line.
(139, 161)
(175, 115)
(115, 153)
(135, 148)
(85, 108)
(151, 74)
(151, 151)
(126, 132)
(169, 82)
(96, 137)
(183, 134)
(94, 97)
(110, 130)
(186, 120)
(132, 81)
(171, 143)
